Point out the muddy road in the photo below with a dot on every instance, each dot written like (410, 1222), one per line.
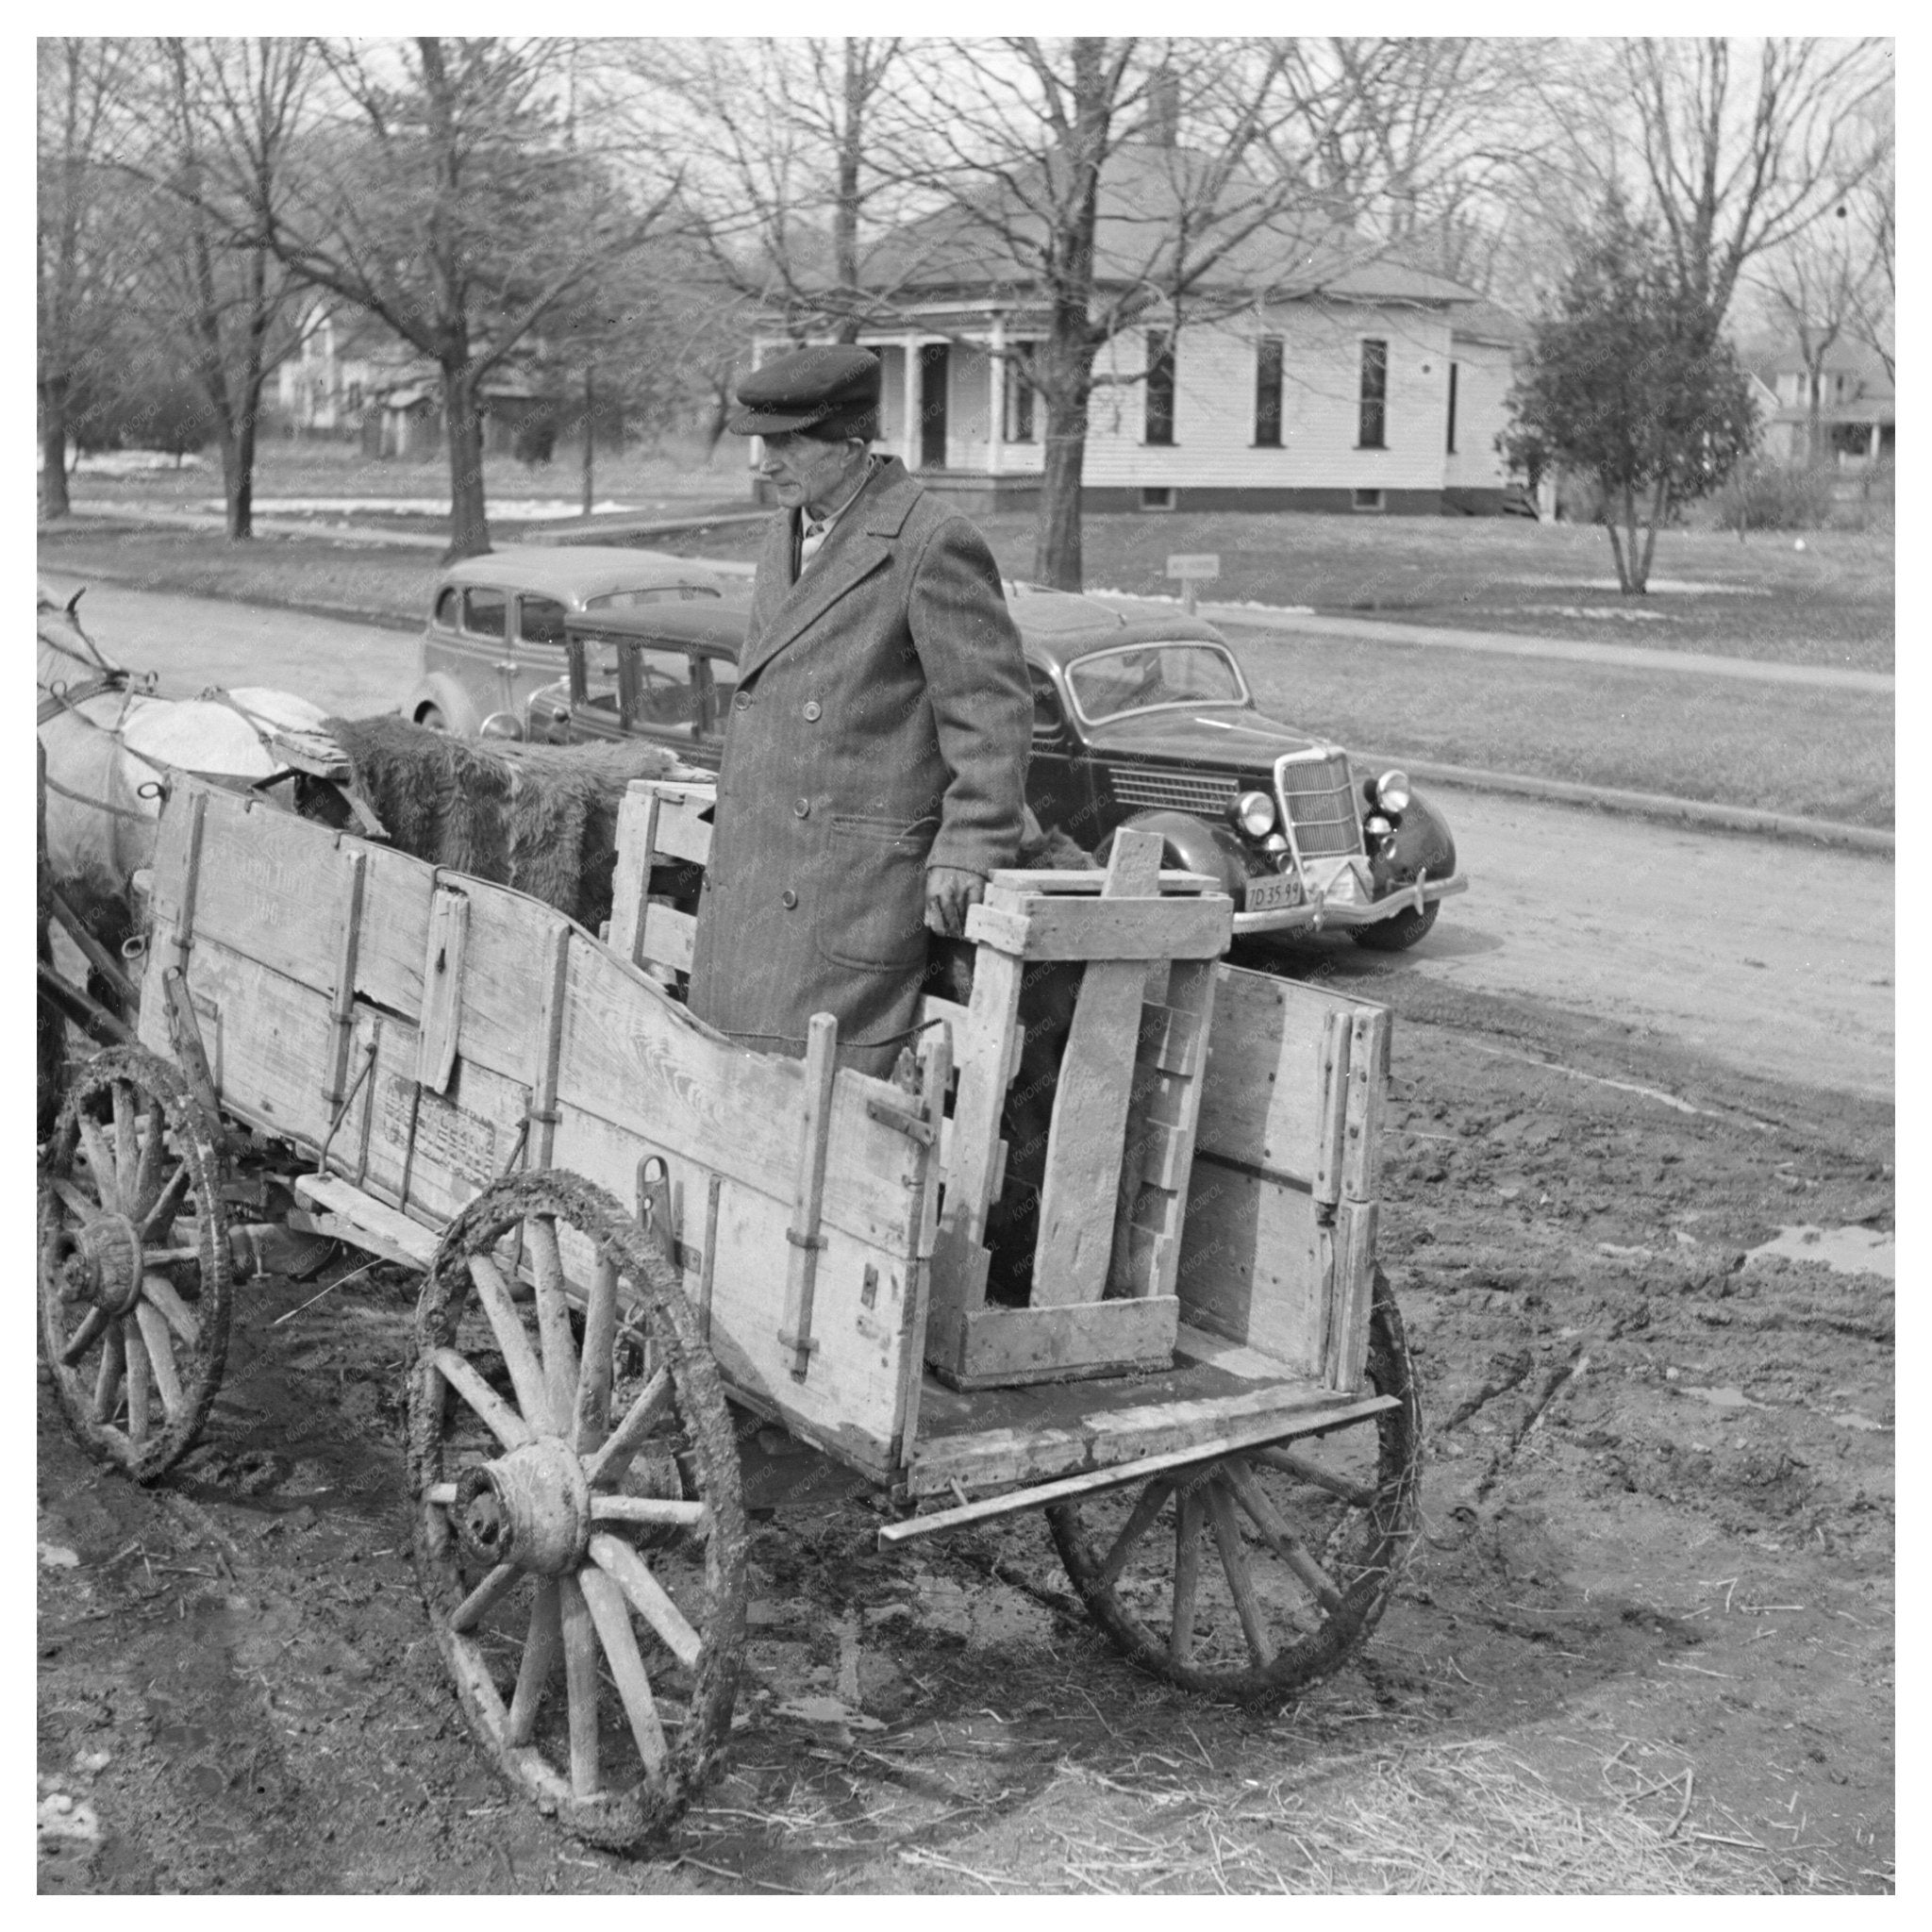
(1644, 1643)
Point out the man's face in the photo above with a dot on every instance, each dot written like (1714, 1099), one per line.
(803, 470)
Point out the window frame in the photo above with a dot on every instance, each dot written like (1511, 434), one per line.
(1268, 393)
(1372, 401)
(1157, 423)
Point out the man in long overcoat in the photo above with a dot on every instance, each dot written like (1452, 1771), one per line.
(875, 750)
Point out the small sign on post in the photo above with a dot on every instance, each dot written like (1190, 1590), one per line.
(1193, 570)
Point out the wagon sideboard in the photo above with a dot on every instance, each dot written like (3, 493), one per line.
(419, 1032)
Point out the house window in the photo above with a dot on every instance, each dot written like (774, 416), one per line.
(1159, 387)
(1367, 499)
(1452, 407)
(1375, 394)
(1019, 405)
(1268, 392)
(1157, 496)
(355, 395)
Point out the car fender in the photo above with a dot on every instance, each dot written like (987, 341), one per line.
(1196, 845)
(1421, 839)
(449, 697)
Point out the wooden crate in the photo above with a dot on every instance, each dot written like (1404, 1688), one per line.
(1246, 1110)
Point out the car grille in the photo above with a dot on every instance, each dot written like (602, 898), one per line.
(1318, 796)
(1195, 791)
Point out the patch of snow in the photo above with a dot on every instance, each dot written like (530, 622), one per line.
(535, 510)
(1843, 1250)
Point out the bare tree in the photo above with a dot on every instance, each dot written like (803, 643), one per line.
(1820, 286)
(1099, 186)
(797, 174)
(444, 190)
(225, 117)
(1743, 144)
(83, 255)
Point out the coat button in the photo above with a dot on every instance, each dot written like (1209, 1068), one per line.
(803, 808)
(788, 898)
(814, 710)
(741, 702)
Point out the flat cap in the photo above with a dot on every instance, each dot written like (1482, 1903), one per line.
(829, 392)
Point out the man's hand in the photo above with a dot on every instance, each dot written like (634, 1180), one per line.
(948, 894)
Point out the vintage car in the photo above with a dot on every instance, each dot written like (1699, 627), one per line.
(495, 629)
(1143, 722)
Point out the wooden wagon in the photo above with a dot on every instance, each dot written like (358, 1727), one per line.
(629, 1228)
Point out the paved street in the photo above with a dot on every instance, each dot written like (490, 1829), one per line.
(1771, 954)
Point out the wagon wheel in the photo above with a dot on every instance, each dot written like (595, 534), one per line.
(1255, 1574)
(134, 1262)
(579, 1530)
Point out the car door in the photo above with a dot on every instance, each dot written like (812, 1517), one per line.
(1059, 784)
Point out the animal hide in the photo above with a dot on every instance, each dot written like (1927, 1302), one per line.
(540, 817)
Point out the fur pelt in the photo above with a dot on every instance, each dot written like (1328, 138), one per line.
(540, 817)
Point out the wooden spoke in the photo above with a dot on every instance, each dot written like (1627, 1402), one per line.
(502, 1421)
(77, 1203)
(633, 1576)
(1290, 1462)
(153, 1150)
(1187, 1574)
(593, 1379)
(161, 1292)
(608, 1464)
(160, 1356)
(100, 1160)
(486, 1595)
(126, 1148)
(84, 1336)
(1137, 1526)
(1240, 1582)
(109, 1378)
(165, 1202)
(1286, 1544)
(538, 1666)
(525, 1377)
(660, 1509)
(443, 1493)
(138, 1382)
(612, 1619)
(553, 1320)
(580, 1674)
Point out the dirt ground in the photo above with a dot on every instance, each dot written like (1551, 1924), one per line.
(1645, 1644)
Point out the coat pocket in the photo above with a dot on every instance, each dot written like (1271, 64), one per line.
(871, 911)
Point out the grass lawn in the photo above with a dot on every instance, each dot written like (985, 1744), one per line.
(1820, 753)
(1830, 603)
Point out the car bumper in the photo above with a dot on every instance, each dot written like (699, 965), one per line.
(1322, 915)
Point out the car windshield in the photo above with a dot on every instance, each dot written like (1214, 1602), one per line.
(1138, 677)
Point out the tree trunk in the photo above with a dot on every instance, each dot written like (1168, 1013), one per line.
(1660, 506)
(1056, 558)
(241, 494)
(590, 437)
(54, 498)
(469, 526)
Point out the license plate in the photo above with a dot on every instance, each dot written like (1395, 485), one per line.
(1270, 895)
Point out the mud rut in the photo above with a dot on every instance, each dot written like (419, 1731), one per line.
(1657, 1565)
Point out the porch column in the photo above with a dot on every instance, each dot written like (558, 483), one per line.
(996, 413)
(909, 455)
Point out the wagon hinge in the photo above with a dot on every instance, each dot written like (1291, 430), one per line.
(915, 1126)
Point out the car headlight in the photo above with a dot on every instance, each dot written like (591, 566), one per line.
(1254, 812)
(1392, 793)
(501, 725)
(1376, 826)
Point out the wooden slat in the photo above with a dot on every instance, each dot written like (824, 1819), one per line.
(1010, 883)
(442, 988)
(1079, 928)
(1354, 1247)
(637, 826)
(354, 863)
(995, 1347)
(546, 1042)
(803, 1238)
(669, 936)
(338, 1197)
(1252, 1264)
(1085, 1143)
(684, 822)
(1368, 1086)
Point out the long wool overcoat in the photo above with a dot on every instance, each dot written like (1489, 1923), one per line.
(881, 725)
